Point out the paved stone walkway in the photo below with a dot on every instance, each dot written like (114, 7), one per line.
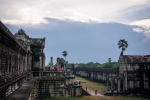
(92, 92)
(23, 92)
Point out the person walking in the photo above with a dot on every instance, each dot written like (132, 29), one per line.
(95, 91)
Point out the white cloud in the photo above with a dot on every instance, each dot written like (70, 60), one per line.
(147, 32)
(34, 12)
(144, 30)
(139, 30)
(143, 27)
(144, 23)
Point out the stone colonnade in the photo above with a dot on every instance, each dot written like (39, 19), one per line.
(100, 74)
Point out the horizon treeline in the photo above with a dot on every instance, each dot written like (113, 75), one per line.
(95, 65)
(99, 65)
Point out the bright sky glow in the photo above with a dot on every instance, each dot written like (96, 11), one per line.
(35, 11)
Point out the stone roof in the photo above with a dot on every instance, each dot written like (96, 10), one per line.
(137, 58)
(21, 32)
(38, 41)
(7, 31)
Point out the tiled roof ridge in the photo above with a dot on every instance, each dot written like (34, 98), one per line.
(137, 58)
(37, 38)
(136, 55)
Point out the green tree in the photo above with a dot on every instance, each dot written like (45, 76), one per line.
(110, 65)
(90, 64)
(122, 43)
(64, 53)
(82, 65)
(97, 64)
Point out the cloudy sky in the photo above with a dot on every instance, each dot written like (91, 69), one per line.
(88, 30)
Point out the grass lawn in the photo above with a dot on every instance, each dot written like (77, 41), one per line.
(91, 84)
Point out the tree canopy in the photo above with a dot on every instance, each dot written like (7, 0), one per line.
(122, 43)
(98, 65)
(64, 53)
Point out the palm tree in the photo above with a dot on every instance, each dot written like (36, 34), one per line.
(64, 53)
(122, 43)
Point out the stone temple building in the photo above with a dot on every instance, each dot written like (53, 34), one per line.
(131, 77)
(35, 48)
(134, 73)
(22, 69)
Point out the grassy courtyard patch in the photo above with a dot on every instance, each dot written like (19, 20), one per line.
(91, 84)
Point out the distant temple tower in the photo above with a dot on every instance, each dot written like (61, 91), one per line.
(51, 63)
(58, 63)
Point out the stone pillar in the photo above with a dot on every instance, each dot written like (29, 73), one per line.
(40, 63)
(51, 63)
(62, 61)
(43, 61)
(112, 84)
(11, 88)
(7, 63)
(20, 66)
(34, 64)
(30, 63)
(18, 63)
(108, 83)
(125, 82)
(118, 85)
(25, 63)
(58, 63)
